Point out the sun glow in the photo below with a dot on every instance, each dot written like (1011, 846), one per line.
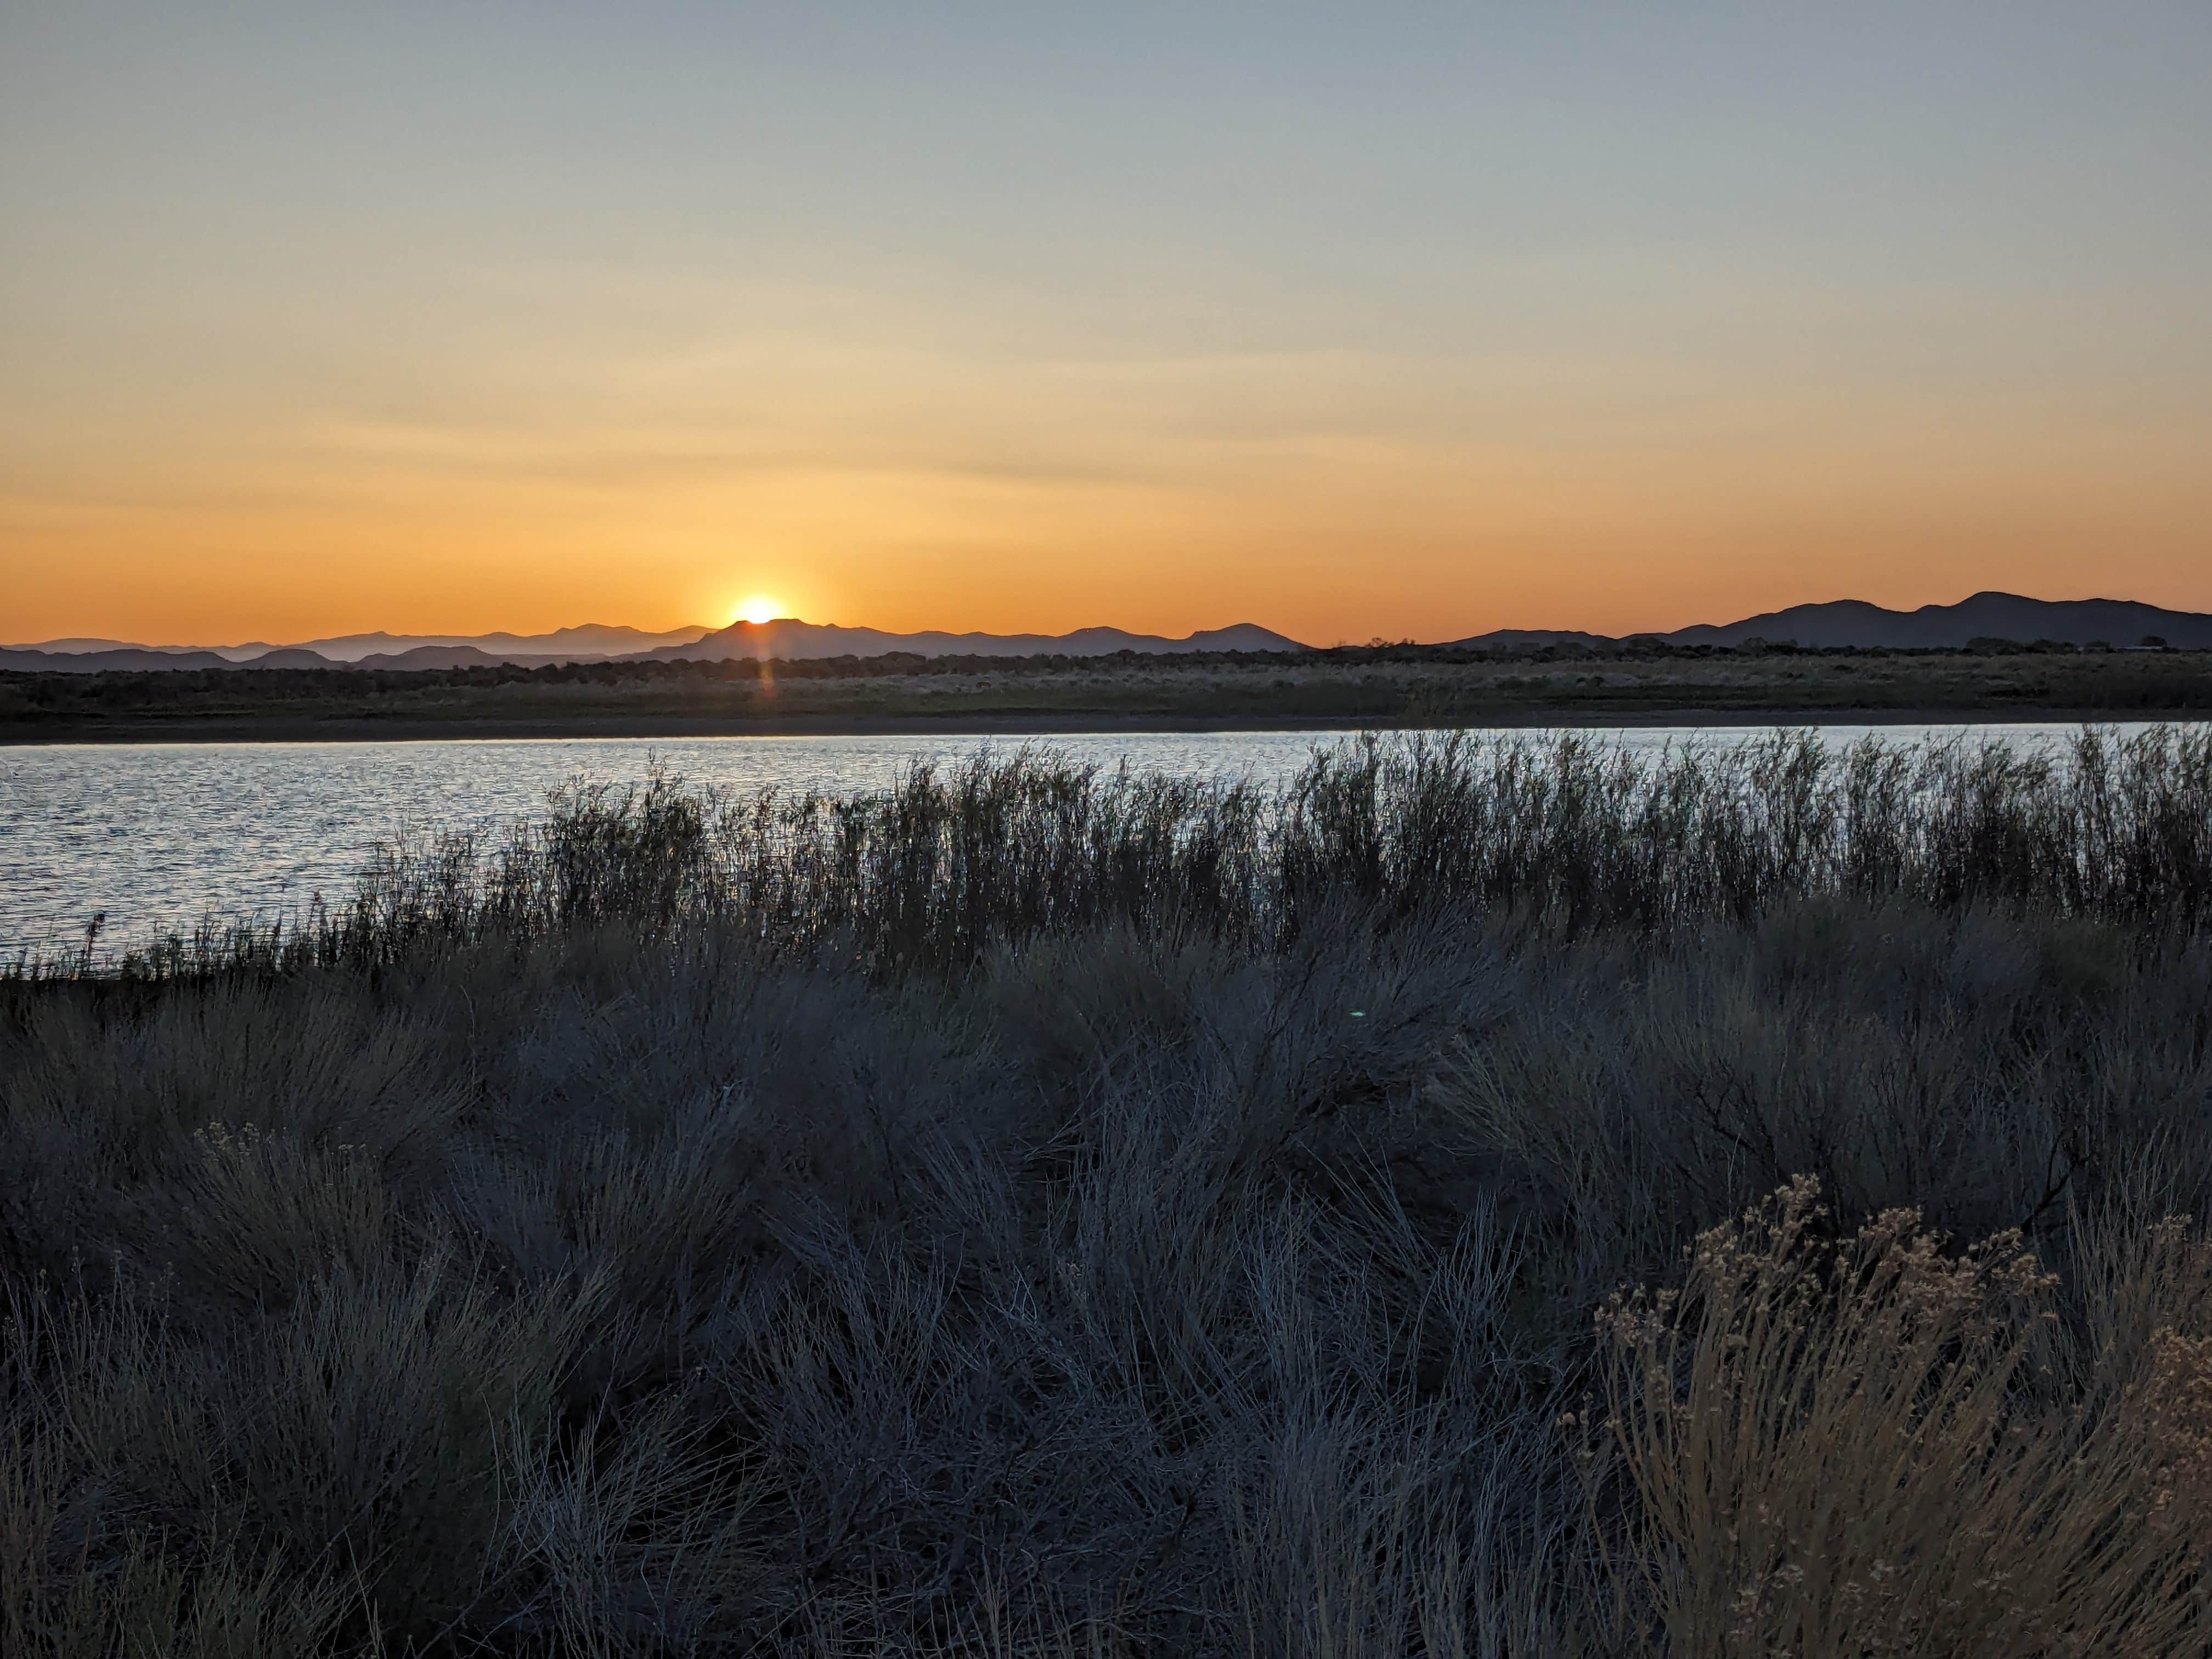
(758, 609)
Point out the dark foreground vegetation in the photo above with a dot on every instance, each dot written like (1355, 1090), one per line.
(1485, 1201)
(1403, 685)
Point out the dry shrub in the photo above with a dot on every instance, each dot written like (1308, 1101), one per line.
(1988, 1071)
(148, 1607)
(1869, 1445)
(83, 1575)
(1030, 1213)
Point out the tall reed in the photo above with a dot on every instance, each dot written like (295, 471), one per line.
(1571, 831)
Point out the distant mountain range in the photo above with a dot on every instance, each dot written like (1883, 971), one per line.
(790, 641)
(1988, 616)
(784, 641)
(1991, 616)
(592, 642)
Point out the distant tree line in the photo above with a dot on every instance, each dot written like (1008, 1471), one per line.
(46, 694)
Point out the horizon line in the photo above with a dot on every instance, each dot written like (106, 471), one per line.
(88, 644)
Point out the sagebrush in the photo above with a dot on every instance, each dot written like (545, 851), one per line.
(1036, 1211)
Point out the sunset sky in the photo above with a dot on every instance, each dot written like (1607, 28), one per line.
(1356, 320)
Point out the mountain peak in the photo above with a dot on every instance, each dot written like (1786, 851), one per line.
(789, 638)
(1989, 614)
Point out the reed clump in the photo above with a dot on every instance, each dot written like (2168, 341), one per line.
(1571, 831)
(1044, 1212)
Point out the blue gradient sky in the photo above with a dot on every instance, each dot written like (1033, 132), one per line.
(1399, 320)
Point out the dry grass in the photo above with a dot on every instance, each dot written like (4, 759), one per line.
(1036, 1214)
(1871, 1446)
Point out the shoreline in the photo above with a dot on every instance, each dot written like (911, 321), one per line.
(252, 730)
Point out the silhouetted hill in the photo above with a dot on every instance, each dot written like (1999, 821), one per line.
(788, 639)
(1990, 616)
(1987, 616)
(444, 656)
(589, 642)
(79, 646)
(125, 656)
(1518, 639)
(1838, 622)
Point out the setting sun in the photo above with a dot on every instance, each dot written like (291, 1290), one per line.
(758, 609)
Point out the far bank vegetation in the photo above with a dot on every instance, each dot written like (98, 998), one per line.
(1379, 684)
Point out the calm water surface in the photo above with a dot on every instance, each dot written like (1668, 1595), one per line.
(157, 835)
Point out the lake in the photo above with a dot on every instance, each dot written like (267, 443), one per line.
(158, 834)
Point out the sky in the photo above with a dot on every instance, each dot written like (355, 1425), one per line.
(1394, 320)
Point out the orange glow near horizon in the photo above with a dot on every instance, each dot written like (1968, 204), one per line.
(1327, 543)
(1060, 318)
(1332, 496)
(1607, 579)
